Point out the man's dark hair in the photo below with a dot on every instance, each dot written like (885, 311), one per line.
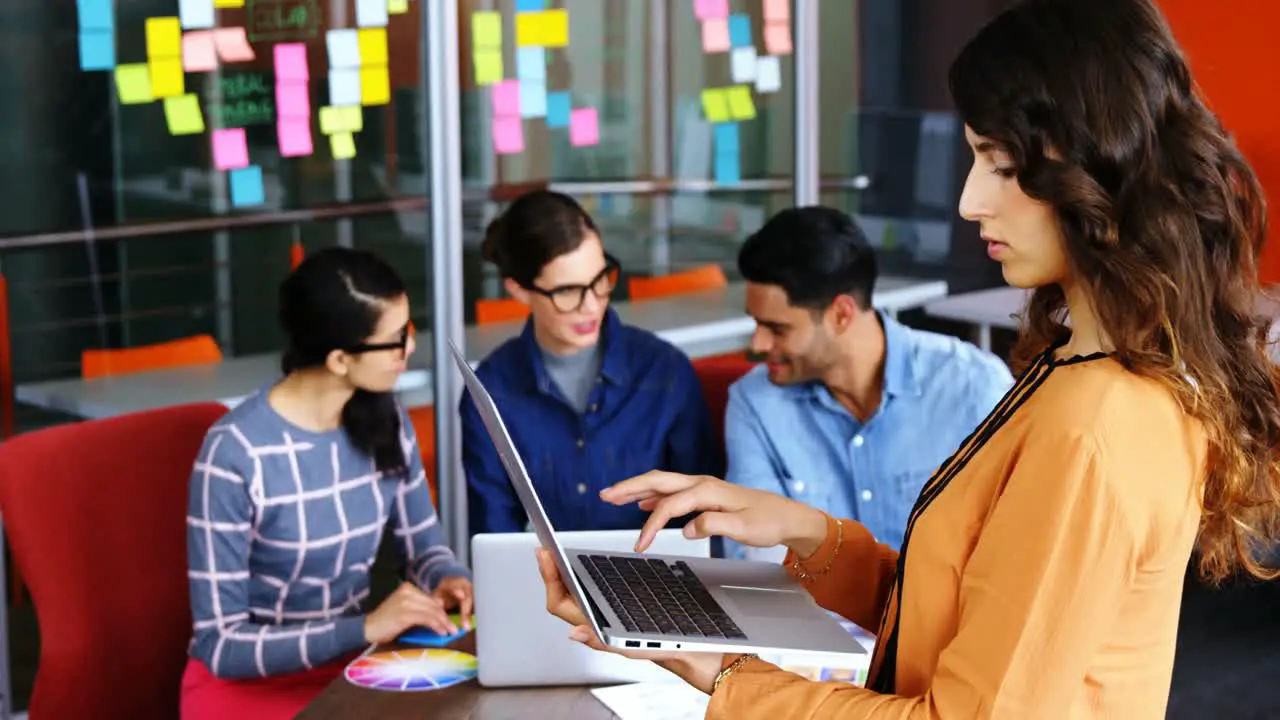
(813, 253)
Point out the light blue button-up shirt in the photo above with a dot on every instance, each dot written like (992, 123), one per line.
(798, 441)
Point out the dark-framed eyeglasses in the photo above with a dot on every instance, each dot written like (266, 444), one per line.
(569, 298)
(400, 344)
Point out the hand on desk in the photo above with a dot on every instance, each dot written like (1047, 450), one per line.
(405, 608)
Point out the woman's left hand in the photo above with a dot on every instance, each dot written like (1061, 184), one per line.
(697, 669)
(456, 592)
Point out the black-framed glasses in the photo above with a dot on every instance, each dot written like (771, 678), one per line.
(400, 344)
(568, 298)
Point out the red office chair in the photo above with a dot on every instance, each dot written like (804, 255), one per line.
(95, 514)
(717, 373)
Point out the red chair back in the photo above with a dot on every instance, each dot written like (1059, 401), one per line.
(95, 514)
(717, 373)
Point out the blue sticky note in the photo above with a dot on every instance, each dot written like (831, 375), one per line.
(533, 99)
(728, 169)
(531, 64)
(97, 50)
(246, 186)
(559, 106)
(740, 30)
(95, 14)
(726, 139)
(428, 637)
(530, 5)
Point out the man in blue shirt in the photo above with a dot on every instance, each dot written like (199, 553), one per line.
(851, 411)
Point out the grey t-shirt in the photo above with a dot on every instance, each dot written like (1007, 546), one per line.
(574, 374)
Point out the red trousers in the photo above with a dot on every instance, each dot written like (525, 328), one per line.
(205, 697)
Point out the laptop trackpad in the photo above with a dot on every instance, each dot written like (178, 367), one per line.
(758, 603)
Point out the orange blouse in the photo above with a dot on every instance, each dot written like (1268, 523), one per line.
(1041, 575)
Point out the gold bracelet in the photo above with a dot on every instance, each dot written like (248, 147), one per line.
(803, 576)
(731, 669)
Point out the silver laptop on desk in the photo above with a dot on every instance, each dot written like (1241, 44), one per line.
(672, 603)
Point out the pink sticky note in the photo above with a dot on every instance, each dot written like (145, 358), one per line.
(711, 9)
(198, 54)
(508, 135)
(233, 44)
(584, 127)
(292, 100)
(777, 38)
(715, 36)
(230, 150)
(291, 62)
(294, 135)
(506, 99)
(777, 10)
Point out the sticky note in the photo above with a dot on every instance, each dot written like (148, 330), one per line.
(715, 105)
(584, 127)
(228, 3)
(294, 137)
(548, 28)
(230, 149)
(743, 65)
(97, 50)
(291, 62)
(559, 106)
(533, 99)
(164, 37)
(371, 13)
(531, 64)
(343, 47)
(167, 79)
(777, 10)
(293, 100)
(728, 169)
(133, 84)
(246, 186)
(739, 30)
(711, 9)
(768, 74)
(183, 115)
(95, 14)
(508, 135)
(342, 145)
(397, 7)
(488, 66)
(196, 14)
(505, 96)
(777, 38)
(741, 105)
(727, 139)
(232, 44)
(530, 5)
(486, 29)
(373, 46)
(715, 36)
(348, 118)
(198, 53)
(344, 86)
(375, 86)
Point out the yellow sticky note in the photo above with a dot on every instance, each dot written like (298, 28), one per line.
(343, 145)
(183, 115)
(373, 46)
(164, 37)
(486, 29)
(336, 119)
(375, 86)
(133, 84)
(228, 3)
(488, 66)
(548, 28)
(741, 106)
(397, 7)
(167, 79)
(715, 105)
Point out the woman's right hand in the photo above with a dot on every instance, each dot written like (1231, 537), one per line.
(751, 517)
(405, 608)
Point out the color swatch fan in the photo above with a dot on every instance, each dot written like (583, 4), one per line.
(411, 670)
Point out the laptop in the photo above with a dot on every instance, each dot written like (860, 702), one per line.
(513, 625)
(670, 603)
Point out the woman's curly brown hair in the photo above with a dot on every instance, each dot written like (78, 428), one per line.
(1163, 221)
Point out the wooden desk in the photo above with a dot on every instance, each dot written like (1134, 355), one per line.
(469, 701)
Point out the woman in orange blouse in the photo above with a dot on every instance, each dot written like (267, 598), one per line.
(1043, 564)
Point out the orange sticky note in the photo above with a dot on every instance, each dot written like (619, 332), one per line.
(777, 38)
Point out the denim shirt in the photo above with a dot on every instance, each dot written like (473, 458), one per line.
(800, 442)
(646, 412)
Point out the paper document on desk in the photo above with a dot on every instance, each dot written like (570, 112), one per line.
(654, 701)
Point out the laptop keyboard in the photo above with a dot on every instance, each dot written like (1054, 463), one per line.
(652, 596)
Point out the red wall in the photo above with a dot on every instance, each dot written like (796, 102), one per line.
(1229, 46)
